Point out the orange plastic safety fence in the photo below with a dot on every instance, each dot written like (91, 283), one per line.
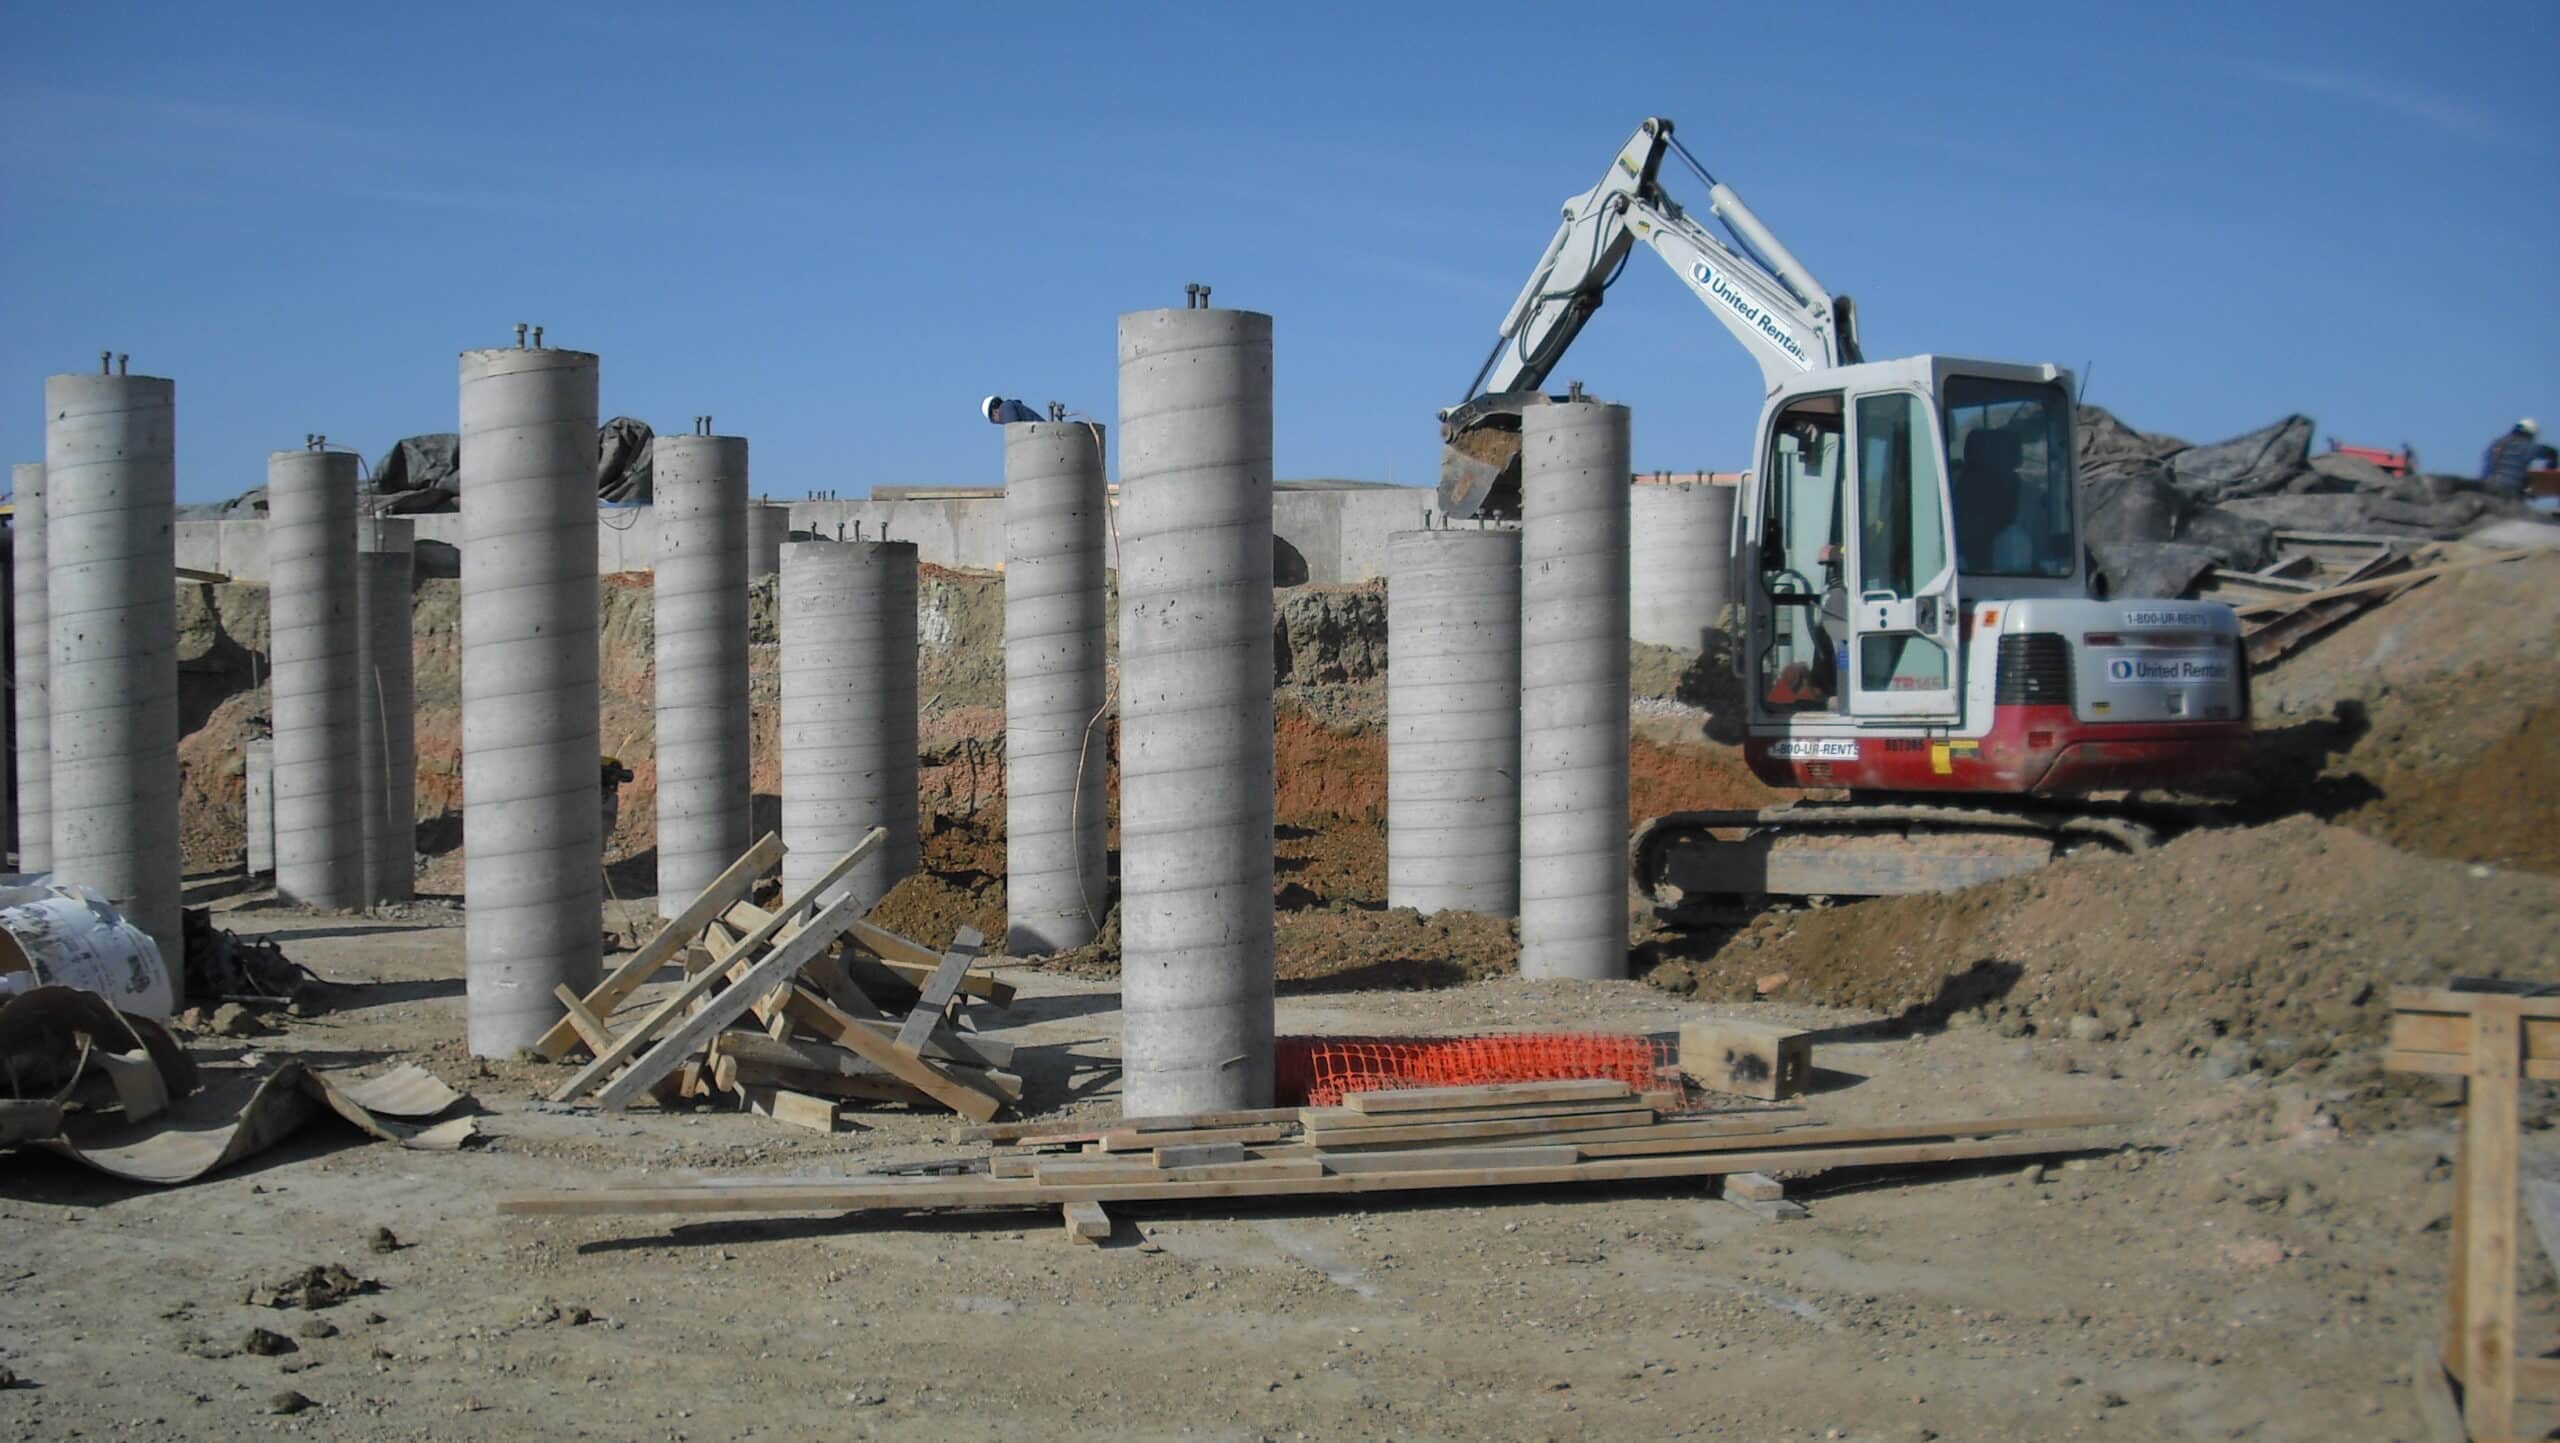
(1319, 1071)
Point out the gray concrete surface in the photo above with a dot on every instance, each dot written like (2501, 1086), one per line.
(768, 526)
(31, 659)
(1195, 710)
(1453, 721)
(258, 805)
(700, 598)
(848, 630)
(533, 858)
(313, 648)
(1573, 691)
(1678, 565)
(386, 706)
(111, 595)
(1057, 749)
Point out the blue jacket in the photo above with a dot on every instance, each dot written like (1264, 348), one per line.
(2510, 456)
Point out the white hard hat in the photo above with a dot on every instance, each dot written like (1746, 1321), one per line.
(987, 407)
(2526, 426)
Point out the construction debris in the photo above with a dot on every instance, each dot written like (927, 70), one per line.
(1419, 1140)
(785, 1011)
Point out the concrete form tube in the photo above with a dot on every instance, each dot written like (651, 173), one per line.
(311, 579)
(1678, 567)
(258, 802)
(32, 660)
(701, 603)
(1056, 749)
(1453, 721)
(112, 600)
(533, 858)
(1573, 691)
(386, 689)
(1195, 710)
(768, 526)
(848, 629)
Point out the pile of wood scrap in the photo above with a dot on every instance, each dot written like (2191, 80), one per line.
(2320, 579)
(789, 1011)
(1542, 1134)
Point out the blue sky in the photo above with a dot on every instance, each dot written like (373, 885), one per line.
(835, 228)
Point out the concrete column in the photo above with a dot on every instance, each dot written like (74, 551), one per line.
(386, 706)
(848, 629)
(701, 602)
(1573, 691)
(1195, 710)
(1453, 721)
(768, 527)
(1057, 751)
(533, 856)
(311, 581)
(258, 804)
(1678, 566)
(32, 660)
(111, 546)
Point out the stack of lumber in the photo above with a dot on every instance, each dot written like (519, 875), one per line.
(1517, 1134)
(787, 1011)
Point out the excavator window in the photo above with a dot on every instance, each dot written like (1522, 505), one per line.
(1803, 623)
(1902, 539)
(2009, 448)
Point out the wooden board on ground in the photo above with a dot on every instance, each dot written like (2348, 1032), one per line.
(818, 1114)
(1438, 1132)
(1086, 1222)
(1750, 1059)
(1133, 1141)
(938, 990)
(1428, 1099)
(1337, 1119)
(1039, 1130)
(848, 1196)
(1453, 1159)
(671, 939)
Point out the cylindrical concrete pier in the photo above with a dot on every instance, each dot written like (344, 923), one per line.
(768, 527)
(1195, 710)
(258, 805)
(386, 690)
(848, 632)
(533, 859)
(1453, 721)
(1677, 570)
(32, 661)
(110, 476)
(1573, 691)
(1057, 750)
(311, 580)
(701, 601)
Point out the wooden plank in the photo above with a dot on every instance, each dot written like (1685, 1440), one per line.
(1059, 1171)
(1125, 1140)
(917, 963)
(2358, 588)
(627, 977)
(2447, 999)
(826, 1020)
(2413, 1031)
(1753, 1059)
(1456, 1159)
(1645, 1142)
(1523, 1127)
(818, 1114)
(2458, 1064)
(942, 1081)
(700, 983)
(1428, 1099)
(1035, 1130)
(590, 1029)
(719, 1011)
(1196, 1154)
(849, 1196)
(1343, 1119)
(1086, 1222)
(1754, 1187)
(966, 946)
(2489, 1123)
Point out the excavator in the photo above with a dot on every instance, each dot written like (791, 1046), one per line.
(1915, 636)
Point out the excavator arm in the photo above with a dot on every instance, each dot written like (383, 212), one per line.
(1756, 287)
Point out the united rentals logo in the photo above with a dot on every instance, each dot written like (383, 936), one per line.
(1751, 311)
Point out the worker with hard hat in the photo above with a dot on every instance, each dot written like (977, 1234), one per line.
(2513, 454)
(1000, 409)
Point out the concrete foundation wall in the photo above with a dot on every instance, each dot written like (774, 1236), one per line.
(1321, 536)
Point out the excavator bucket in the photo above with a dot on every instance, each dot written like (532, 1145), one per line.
(1480, 457)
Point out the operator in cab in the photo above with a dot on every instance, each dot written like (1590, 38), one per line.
(2511, 455)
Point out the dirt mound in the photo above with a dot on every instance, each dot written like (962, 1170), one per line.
(2288, 935)
(1346, 947)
